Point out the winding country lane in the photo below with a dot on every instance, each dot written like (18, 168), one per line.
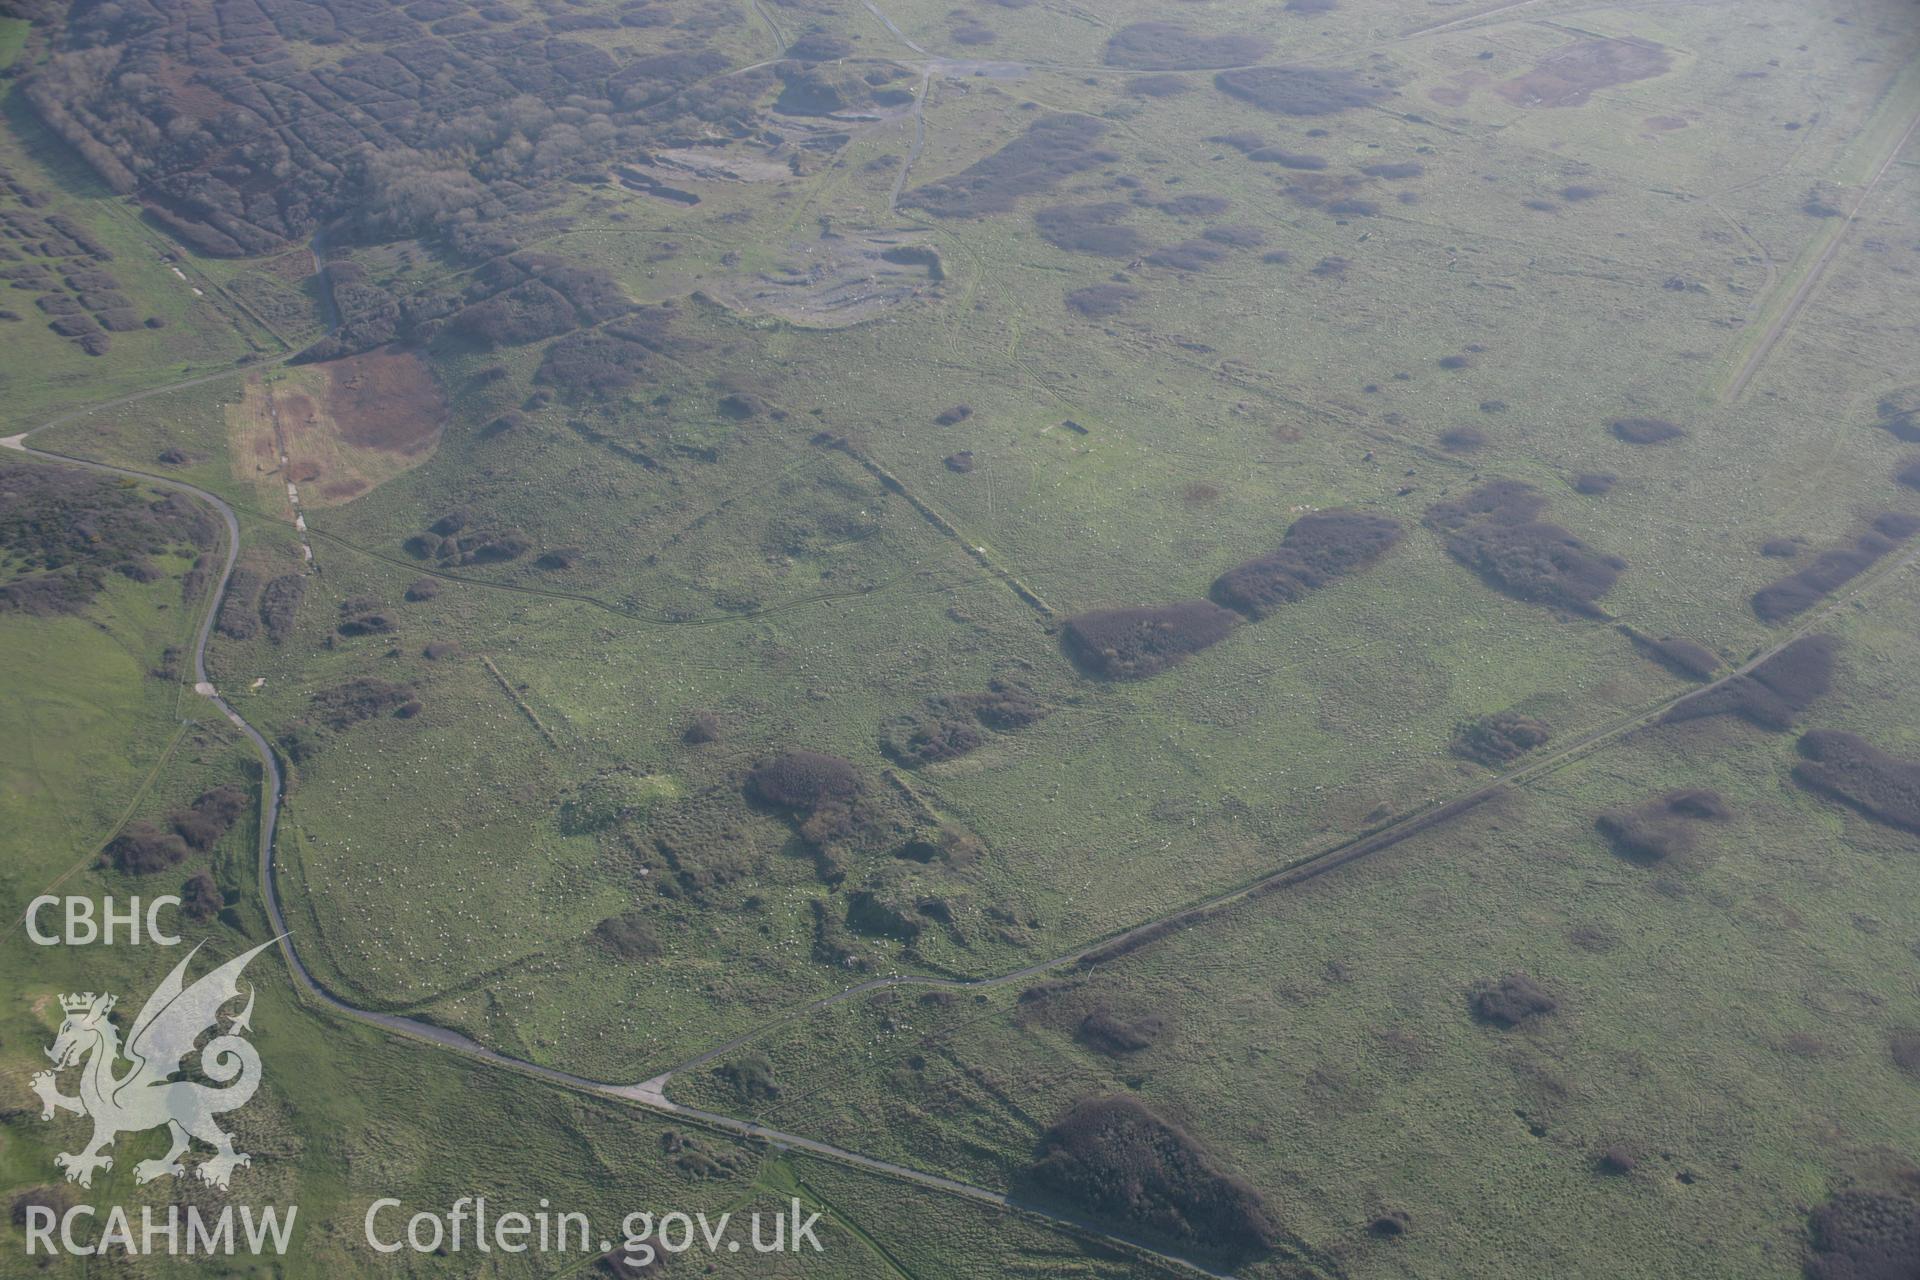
(647, 1095)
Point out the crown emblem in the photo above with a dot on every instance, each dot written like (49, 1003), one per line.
(177, 1023)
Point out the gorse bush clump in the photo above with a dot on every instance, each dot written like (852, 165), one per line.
(1864, 1235)
(1495, 531)
(1851, 769)
(1133, 643)
(826, 797)
(1645, 431)
(1832, 569)
(1053, 148)
(1187, 255)
(1168, 46)
(1115, 1158)
(1260, 151)
(1899, 413)
(142, 848)
(751, 1078)
(1682, 657)
(1298, 91)
(1511, 1001)
(460, 537)
(1105, 1032)
(1195, 204)
(1097, 301)
(210, 816)
(1500, 738)
(344, 705)
(1664, 826)
(64, 531)
(1319, 549)
(805, 780)
(627, 937)
(935, 733)
(1089, 228)
(592, 363)
(1774, 693)
(950, 725)
(200, 897)
(280, 603)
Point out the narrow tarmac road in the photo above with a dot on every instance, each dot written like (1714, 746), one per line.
(644, 1095)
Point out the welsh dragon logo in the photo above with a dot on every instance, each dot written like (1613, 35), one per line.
(147, 1096)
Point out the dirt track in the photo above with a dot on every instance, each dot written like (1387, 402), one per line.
(1811, 281)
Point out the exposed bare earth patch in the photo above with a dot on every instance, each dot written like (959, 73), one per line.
(839, 282)
(695, 164)
(1568, 77)
(334, 431)
(385, 400)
